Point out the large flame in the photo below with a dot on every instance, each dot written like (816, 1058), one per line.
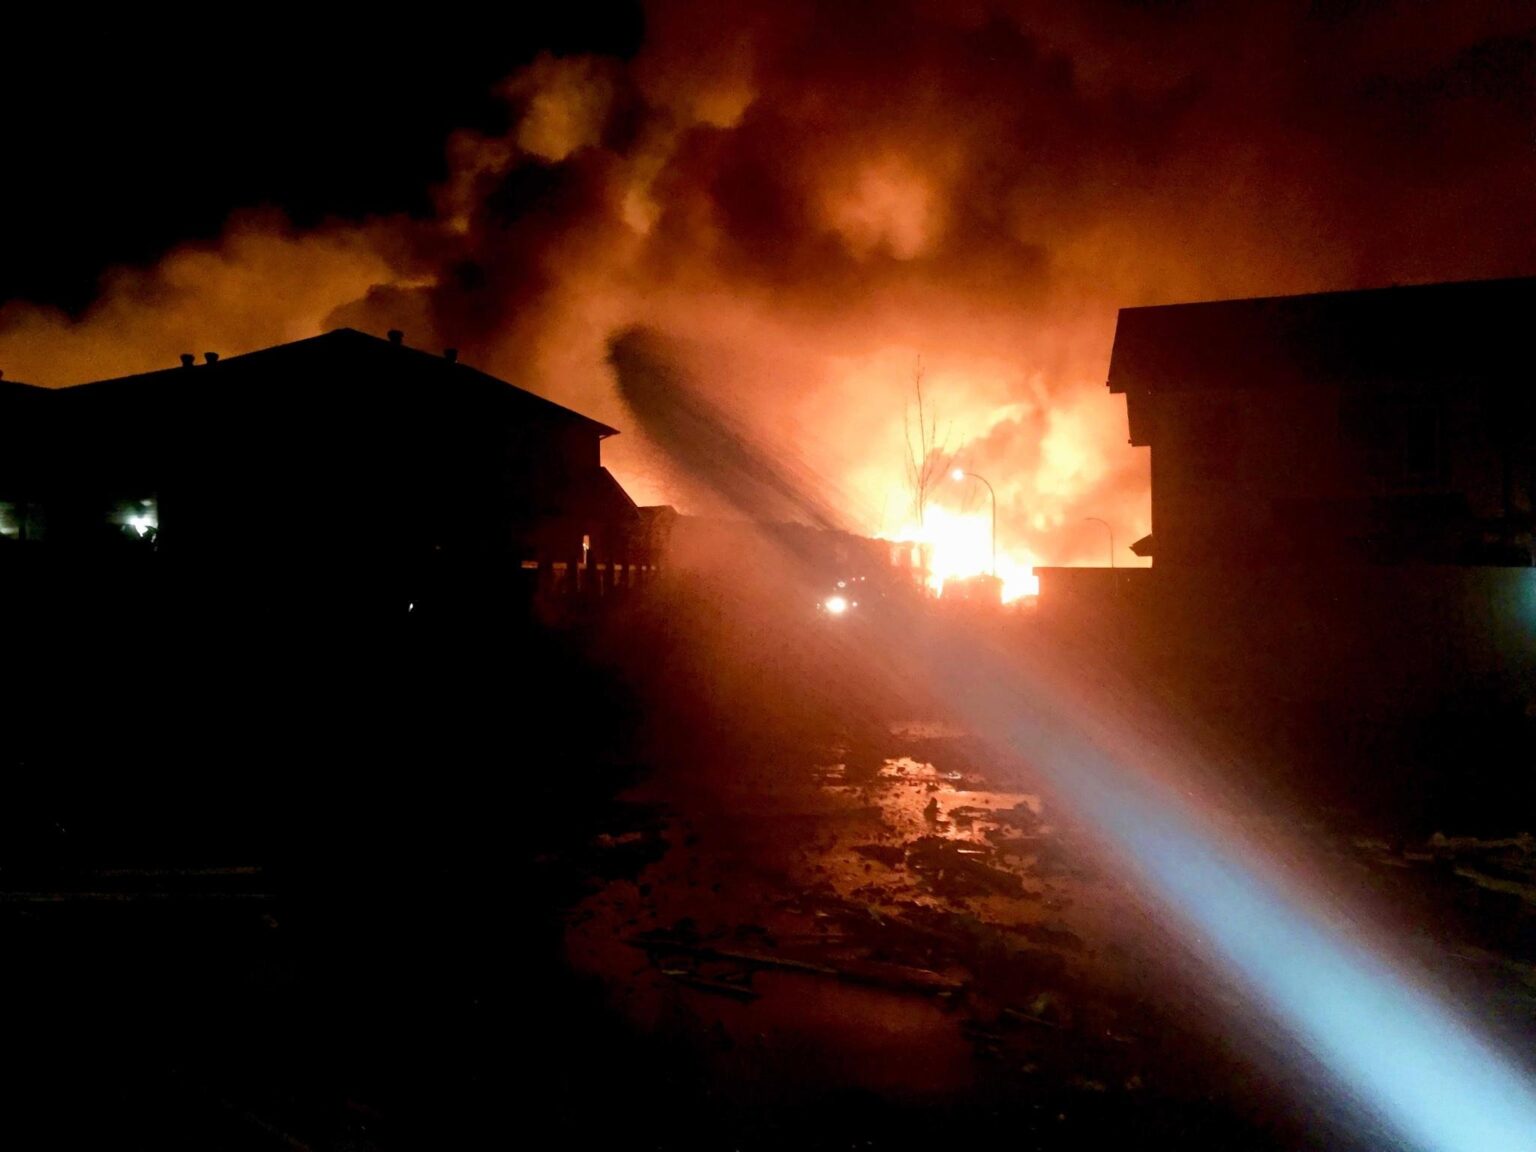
(959, 544)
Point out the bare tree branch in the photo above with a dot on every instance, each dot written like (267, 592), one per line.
(925, 457)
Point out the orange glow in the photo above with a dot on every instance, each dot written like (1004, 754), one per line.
(808, 250)
(813, 219)
(885, 208)
(960, 544)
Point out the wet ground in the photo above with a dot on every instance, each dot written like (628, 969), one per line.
(894, 921)
(711, 914)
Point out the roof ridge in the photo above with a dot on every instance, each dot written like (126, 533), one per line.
(1426, 285)
(363, 339)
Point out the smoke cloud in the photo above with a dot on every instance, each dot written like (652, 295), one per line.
(806, 198)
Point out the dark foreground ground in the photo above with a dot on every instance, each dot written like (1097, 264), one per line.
(665, 878)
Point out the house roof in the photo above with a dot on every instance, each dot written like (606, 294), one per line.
(1421, 333)
(15, 389)
(591, 492)
(345, 350)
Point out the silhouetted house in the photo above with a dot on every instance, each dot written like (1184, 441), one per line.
(21, 456)
(1391, 425)
(655, 532)
(340, 450)
(1341, 490)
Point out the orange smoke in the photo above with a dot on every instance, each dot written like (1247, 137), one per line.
(812, 195)
(261, 284)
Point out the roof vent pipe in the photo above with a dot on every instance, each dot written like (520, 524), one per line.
(395, 335)
(187, 359)
(211, 357)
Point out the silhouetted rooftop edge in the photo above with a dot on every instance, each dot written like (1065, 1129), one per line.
(10, 388)
(1358, 338)
(430, 366)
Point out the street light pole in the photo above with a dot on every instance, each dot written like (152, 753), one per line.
(1107, 528)
(961, 474)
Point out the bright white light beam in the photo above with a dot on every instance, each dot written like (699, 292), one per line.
(1392, 1046)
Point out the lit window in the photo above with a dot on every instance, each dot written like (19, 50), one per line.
(141, 518)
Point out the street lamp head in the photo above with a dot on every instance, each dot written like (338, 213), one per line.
(958, 474)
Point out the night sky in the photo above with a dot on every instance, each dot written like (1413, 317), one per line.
(134, 134)
(801, 199)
